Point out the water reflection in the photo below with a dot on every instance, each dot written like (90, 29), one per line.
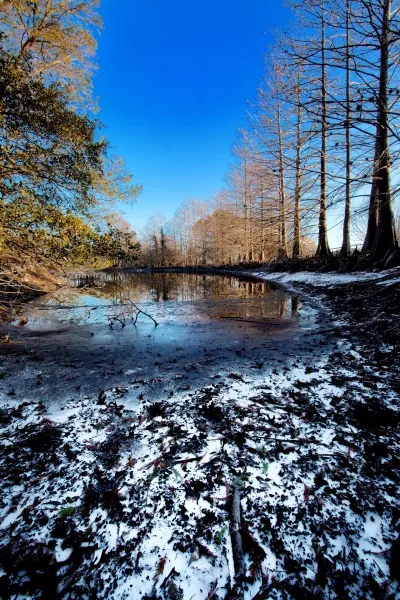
(171, 298)
(295, 305)
(120, 286)
(209, 326)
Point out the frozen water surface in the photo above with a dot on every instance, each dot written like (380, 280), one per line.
(208, 326)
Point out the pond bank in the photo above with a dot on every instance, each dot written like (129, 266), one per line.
(126, 491)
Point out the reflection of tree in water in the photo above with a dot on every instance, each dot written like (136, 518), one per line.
(99, 297)
(295, 305)
(274, 305)
(120, 286)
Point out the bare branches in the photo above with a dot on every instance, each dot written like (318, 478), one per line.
(139, 312)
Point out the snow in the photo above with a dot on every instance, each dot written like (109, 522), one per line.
(328, 279)
(273, 473)
(63, 555)
(267, 483)
(152, 493)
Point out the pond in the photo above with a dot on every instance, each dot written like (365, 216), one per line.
(90, 336)
(171, 297)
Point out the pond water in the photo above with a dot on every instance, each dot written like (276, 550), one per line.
(169, 297)
(169, 286)
(84, 337)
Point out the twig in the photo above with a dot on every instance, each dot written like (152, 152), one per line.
(187, 460)
(298, 441)
(212, 460)
(113, 319)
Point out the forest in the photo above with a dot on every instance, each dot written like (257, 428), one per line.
(203, 406)
(322, 139)
(320, 150)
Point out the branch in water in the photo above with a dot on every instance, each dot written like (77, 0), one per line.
(139, 310)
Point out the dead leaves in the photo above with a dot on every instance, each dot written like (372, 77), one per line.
(171, 590)
(204, 551)
(212, 594)
(160, 567)
(157, 463)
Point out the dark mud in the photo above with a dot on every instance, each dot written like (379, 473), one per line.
(127, 491)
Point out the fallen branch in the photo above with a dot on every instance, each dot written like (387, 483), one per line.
(138, 311)
(103, 306)
(236, 537)
(115, 319)
(298, 441)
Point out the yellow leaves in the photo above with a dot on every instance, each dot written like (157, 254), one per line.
(115, 183)
(50, 156)
(58, 37)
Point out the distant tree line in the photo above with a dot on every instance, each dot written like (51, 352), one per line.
(211, 233)
(323, 137)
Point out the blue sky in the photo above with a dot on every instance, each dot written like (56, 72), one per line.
(173, 81)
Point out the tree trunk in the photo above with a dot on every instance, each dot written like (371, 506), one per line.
(346, 246)
(282, 253)
(372, 227)
(323, 250)
(297, 194)
(246, 215)
(262, 223)
(386, 234)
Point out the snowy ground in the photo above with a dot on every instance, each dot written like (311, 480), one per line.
(114, 496)
(326, 280)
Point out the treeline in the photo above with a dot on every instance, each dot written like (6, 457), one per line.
(213, 233)
(322, 146)
(58, 181)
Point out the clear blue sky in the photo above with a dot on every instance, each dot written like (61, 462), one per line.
(174, 77)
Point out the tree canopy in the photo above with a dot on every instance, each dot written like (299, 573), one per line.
(58, 179)
(57, 36)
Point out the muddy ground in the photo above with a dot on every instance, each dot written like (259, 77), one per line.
(267, 468)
